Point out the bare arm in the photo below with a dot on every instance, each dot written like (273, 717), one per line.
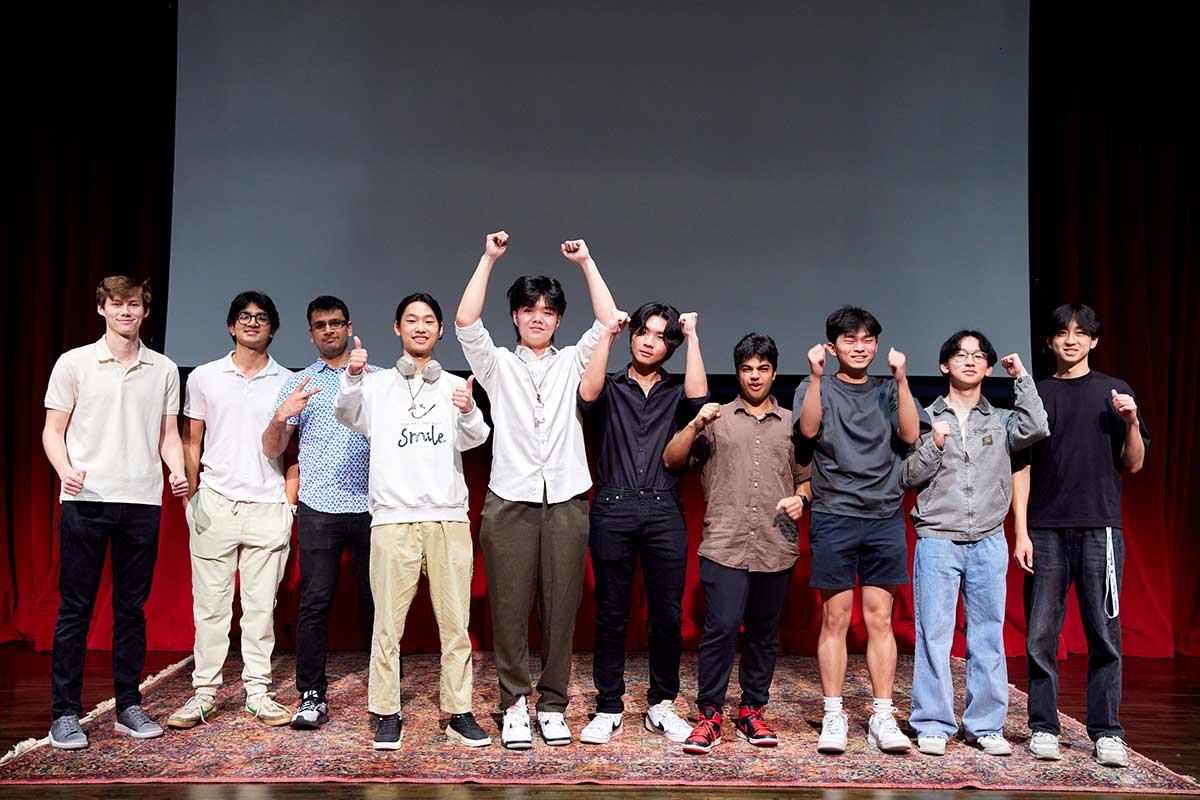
(679, 449)
(591, 383)
(906, 407)
(695, 379)
(170, 448)
(603, 305)
(291, 473)
(193, 446)
(54, 442)
(1133, 449)
(810, 409)
(470, 307)
(1023, 548)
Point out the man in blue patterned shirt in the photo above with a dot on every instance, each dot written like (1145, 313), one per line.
(332, 514)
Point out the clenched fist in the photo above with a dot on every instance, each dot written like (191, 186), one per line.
(688, 323)
(1013, 366)
(72, 481)
(617, 322)
(462, 396)
(898, 364)
(1125, 406)
(793, 506)
(179, 484)
(941, 431)
(496, 244)
(816, 360)
(576, 250)
(708, 413)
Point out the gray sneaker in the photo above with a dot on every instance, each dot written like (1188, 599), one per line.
(133, 721)
(65, 733)
(1044, 746)
(1110, 752)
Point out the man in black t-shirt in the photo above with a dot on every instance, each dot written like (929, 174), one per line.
(1073, 531)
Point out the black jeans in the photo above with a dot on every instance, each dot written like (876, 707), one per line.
(85, 532)
(733, 597)
(628, 524)
(323, 538)
(1060, 558)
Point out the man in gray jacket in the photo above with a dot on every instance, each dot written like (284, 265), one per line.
(962, 471)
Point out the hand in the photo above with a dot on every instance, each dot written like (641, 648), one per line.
(1125, 406)
(358, 358)
(1023, 552)
(941, 431)
(496, 244)
(295, 402)
(617, 322)
(688, 323)
(708, 413)
(179, 484)
(898, 364)
(793, 506)
(816, 360)
(1012, 364)
(462, 399)
(576, 250)
(72, 481)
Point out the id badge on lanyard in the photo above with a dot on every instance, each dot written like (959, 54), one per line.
(539, 412)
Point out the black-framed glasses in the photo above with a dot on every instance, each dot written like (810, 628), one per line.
(332, 324)
(245, 317)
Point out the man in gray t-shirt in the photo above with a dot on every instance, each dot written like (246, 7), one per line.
(855, 428)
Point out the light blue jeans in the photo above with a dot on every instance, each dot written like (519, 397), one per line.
(940, 569)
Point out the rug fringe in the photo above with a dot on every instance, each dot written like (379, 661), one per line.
(29, 744)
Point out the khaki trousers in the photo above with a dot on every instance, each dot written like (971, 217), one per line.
(229, 538)
(399, 554)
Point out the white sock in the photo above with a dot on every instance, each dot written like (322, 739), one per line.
(883, 705)
(833, 704)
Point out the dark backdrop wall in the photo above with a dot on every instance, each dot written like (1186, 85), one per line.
(1113, 203)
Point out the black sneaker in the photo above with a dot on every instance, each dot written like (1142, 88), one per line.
(389, 733)
(312, 713)
(463, 728)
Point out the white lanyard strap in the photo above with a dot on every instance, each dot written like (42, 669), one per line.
(1111, 588)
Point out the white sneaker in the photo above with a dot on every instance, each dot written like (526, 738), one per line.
(1044, 746)
(1110, 752)
(515, 734)
(834, 728)
(601, 729)
(933, 745)
(661, 718)
(554, 728)
(884, 733)
(994, 745)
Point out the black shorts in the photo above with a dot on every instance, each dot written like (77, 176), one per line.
(848, 551)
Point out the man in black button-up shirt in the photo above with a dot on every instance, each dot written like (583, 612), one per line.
(636, 511)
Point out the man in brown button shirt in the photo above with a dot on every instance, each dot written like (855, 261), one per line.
(755, 493)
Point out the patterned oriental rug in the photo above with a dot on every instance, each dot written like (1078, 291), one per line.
(233, 747)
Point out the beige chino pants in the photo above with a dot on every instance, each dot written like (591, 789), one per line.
(229, 538)
(399, 554)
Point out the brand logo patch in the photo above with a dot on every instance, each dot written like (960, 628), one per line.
(987, 440)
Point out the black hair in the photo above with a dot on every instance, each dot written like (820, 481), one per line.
(1083, 316)
(327, 302)
(849, 319)
(954, 344)
(259, 299)
(755, 344)
(672, 333)
(419, 297)
(528, 289)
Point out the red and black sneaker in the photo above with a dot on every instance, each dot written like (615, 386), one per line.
(753, 728)
(707, 733)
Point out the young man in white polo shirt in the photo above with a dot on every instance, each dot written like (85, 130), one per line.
(239, 517)
(419, 421)
(534, 529)
(110, 424)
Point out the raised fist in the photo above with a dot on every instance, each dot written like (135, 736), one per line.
(1125, 406)
(941, 431)
(816, 360)
(708, 413)
(688, 323)
(576, 250)
(898, 364)
(72, 481)
(462, 399)
(496, 244)
(358, 358)
(617, 322)
(1013, 366)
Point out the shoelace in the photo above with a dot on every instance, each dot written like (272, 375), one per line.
(709, 728)
(516, 716)
(310, 703)
(72, 725)
(756, 723)
(835, 723)
(266, 702)
(667, 716)
(137, 716)
(888, 727)
(196, 702)
(389, 725)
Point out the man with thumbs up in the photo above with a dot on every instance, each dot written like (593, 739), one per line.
(1070, 531)
(419, 420)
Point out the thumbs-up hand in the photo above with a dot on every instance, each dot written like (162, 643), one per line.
(1125, 406)
(462, 399)
(898, 364)
(358, 358)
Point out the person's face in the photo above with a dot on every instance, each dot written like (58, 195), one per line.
(1071, 345)
(755, 377)
(968, 365)
(252, 328)
(649, 348)
(329, 331)
(418, 329)
(536, 324)
(124, 315)
(854, 351)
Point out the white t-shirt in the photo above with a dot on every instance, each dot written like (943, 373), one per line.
(235, 410)
(116, 418)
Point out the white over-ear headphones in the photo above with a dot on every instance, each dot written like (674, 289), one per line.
(429, 373)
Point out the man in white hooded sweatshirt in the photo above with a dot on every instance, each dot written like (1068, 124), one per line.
(419, 420)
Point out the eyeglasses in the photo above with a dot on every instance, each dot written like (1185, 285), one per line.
(332, 324)
(962, 357)
(245, 317)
